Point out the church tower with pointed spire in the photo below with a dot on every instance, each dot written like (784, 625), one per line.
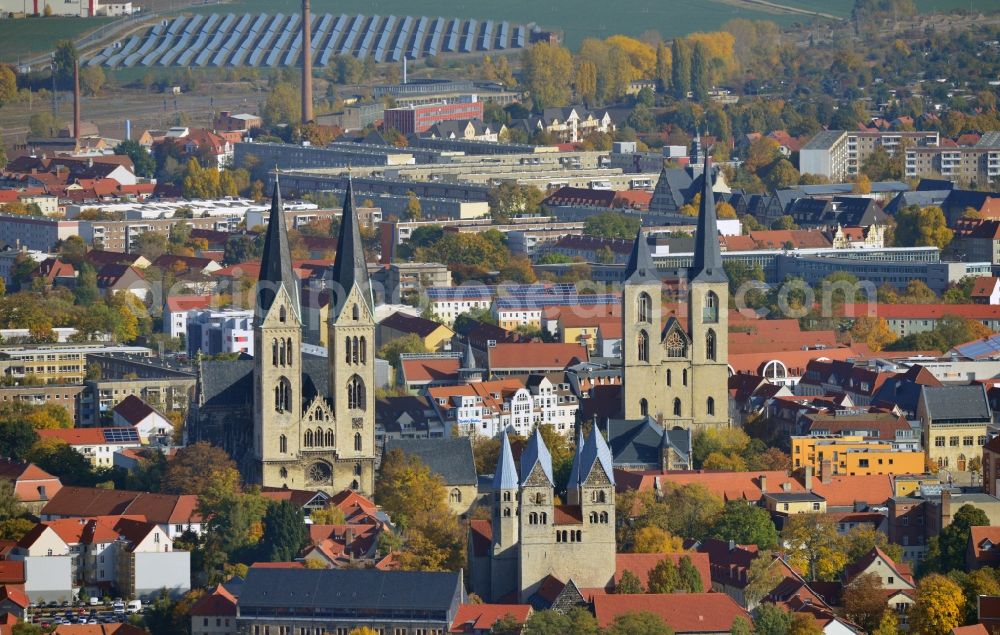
(676, 375)
(277, 370)
(351, 341)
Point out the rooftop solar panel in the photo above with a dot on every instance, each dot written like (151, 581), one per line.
(120, 435)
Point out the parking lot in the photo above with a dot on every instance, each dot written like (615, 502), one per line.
(50, 616)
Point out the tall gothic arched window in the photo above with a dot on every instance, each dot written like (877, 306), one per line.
(710, 313)
(710, 406)
(676, 346)
(281, 352)
(644, 407)
(644, 308)
(283, 395)
(289, 350)
(347, 349)
(710, 345)
(274, 351)
(364, 350)
(670, 377)
(356, 312)
(328, 439)
(356, 393)
(677, 407)
(357, 441)
(308, 440)
(319, 436)
(642, 344)
(282, 314)
(354, 350)
(283, 444)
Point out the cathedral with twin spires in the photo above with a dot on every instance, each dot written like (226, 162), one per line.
(290, 419)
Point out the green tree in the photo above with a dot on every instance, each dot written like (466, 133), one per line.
(813, 546)
(201, 469)
(863, 538)
(663, 66)
(282, 105)
(8, 84)
(664, 577)
(10, 505)
(547, 70)
(746, 525)
(145, 164)
(693, 510)
(612, 225)
(17, 437)
(920, 227)
(64, 58)
(86, 291)
(410, 343)
(413, 209)
(690, 579)
(864, 601)
(629, 584)
(151, 245)
(638, 624)
(92, 79)
(953, 539)
(701, 81)
(680, 70)
(771, 620)
(741, 626)
(285, 532)
(43, 124)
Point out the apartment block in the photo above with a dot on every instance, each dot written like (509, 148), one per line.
(420, 118)
(839, 154)
(977, 164)
(854, 455)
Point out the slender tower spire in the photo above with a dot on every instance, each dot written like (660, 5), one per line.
(276, 263)
(640, 267)
(707, 265)
(350, 268)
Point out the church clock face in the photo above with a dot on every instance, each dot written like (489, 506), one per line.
(319, 473)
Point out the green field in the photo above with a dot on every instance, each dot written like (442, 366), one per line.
(22, 39)
(581, 19)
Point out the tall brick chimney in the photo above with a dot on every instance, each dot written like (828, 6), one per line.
(307, 80)
(76, 99)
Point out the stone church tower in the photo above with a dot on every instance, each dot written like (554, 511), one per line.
(313, 423)
(678, 375)
(534, 538)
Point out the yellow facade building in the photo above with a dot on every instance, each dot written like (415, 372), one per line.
(854, 456)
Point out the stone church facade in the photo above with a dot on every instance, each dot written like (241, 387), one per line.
(290, 419)
(536, 541)
(675, 373)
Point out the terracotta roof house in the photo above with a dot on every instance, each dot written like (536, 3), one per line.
(983, 548)
(215, 613)
(510, 359)
(146, 420)
(176, 513)
(684, 613)
(33, 485)
(641, 564)
(114, 277)
(478, 619)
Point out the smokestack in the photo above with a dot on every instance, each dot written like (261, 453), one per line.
(128, 129)
(76, 99)
(307, 79)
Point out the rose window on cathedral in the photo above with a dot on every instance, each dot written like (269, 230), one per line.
(319, 473)
(676, 346)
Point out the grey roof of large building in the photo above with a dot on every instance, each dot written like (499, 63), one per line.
(957, 403)
(230, 383)
(451, 459)
(505, 476)
(349, 589)
(536, 452)
(640, 441)
(823, 140)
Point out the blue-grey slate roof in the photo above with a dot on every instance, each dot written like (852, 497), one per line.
(640, 441)
(596, 454)
(959, 404)
(349, 589)
(536, 452)
(450, 458)
(505, 476)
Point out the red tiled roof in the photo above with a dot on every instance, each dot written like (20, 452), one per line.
(641, 564)
(178, 303)
(536, 356)
(844, 491)
(975, 629)
(567, 515)
(985, 543)
(925, 311)
(75, 502)
(218, 602)
(682, 612)
(482, 536)
(426, 370)
(983, 286)
(12, 572)
(76, 436)
(133, 409)
(15, 595)
(473, 618)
